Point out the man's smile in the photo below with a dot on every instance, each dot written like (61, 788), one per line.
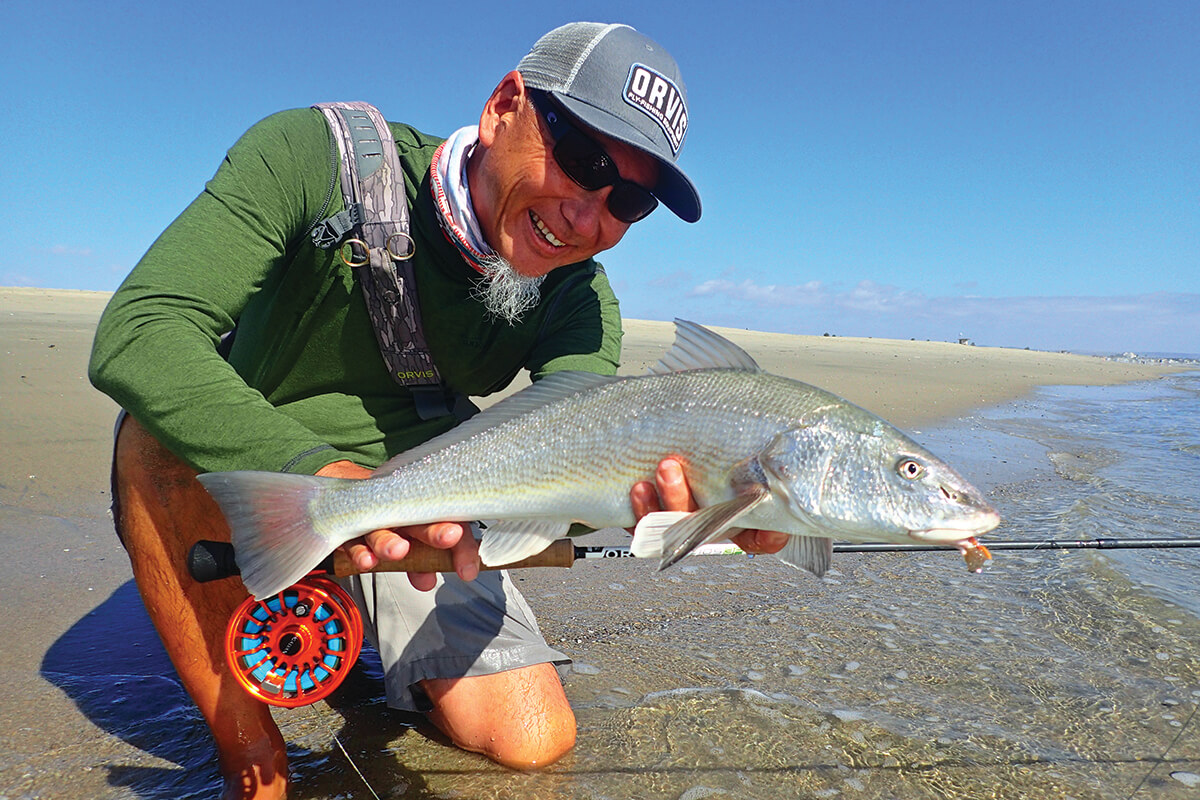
(545, 231)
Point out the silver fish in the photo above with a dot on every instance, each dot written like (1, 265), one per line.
(759, 451)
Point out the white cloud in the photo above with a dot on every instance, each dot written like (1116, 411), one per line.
(806, 294)
(871, 296)
(68, 250)
(1160, 322)
(13, 278)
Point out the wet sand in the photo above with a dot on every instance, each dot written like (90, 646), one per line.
(79, 648)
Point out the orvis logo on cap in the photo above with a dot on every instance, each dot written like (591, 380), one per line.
(657, 96)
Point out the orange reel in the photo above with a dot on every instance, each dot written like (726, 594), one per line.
(296, 647)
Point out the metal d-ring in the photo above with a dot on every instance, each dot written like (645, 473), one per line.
(409, 251)
(355, 263)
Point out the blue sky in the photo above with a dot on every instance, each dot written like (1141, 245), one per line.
(1020, 173)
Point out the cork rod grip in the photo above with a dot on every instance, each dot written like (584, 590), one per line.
(210, 561)
(423, 558)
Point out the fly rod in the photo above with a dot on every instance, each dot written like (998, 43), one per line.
(210, 561)
(1044, 544)
(295, 647)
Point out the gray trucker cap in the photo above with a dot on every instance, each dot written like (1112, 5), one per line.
(617, 81)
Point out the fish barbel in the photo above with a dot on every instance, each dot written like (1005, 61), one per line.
(758, 450)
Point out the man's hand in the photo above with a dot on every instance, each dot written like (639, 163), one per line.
(393, 544)
(670, 492)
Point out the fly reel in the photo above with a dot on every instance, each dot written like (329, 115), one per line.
(296, 647)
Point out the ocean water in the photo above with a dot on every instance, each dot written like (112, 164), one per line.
(1053, 674)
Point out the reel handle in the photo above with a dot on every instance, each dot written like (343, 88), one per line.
(211, 561)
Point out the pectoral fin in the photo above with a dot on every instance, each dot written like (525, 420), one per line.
(707, 524)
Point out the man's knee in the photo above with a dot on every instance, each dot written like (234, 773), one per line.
(519, 718)
(533, 743)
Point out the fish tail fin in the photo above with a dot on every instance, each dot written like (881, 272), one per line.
(274, 540)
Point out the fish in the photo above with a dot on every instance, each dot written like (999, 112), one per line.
(759, 451)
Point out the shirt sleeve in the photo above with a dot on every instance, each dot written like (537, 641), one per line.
(155, 351)
(582, 330)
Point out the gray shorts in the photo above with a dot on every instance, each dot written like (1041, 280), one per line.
(459, 629)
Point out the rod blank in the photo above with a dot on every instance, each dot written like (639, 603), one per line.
(1045, 544)
(210, 561)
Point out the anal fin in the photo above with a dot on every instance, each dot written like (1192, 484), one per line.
(813, 553)
(509, 541)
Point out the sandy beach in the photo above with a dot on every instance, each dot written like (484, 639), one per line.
(65, 577)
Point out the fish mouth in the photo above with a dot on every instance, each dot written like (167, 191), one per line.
(959, 530)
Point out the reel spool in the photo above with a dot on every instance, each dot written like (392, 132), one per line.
(296, 647)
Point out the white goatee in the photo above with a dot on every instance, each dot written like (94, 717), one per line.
(504, 292)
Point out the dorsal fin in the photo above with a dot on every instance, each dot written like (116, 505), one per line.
(549, 389)
(696, 347)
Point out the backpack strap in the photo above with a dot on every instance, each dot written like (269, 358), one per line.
(373, 233)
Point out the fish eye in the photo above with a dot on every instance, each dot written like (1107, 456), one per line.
(910, 468)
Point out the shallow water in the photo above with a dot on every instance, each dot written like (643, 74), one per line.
(1052, 674)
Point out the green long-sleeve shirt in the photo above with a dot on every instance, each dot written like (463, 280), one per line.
(304, 383)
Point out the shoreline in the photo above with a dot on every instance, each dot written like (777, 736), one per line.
(907, 382)
(904, 381)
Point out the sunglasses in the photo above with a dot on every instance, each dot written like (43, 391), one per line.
(585, 162)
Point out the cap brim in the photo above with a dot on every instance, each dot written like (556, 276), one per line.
(674, 190)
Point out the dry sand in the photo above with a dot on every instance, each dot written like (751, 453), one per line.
(63, 562)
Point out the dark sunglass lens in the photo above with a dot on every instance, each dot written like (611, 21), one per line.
(629, 202)
(584, 161)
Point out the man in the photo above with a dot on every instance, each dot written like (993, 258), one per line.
(572, 147)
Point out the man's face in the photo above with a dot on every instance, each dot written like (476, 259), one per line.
(530, 212)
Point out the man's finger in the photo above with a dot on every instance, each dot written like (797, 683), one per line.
(442, 535)
(387, 545)
(423, 581)
(465, 555)
(392, 545)
(643, 498)
(672, 487)
(758, 542)
(360, 554)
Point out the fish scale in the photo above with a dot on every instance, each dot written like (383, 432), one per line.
(510, 479)
(759, 451)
